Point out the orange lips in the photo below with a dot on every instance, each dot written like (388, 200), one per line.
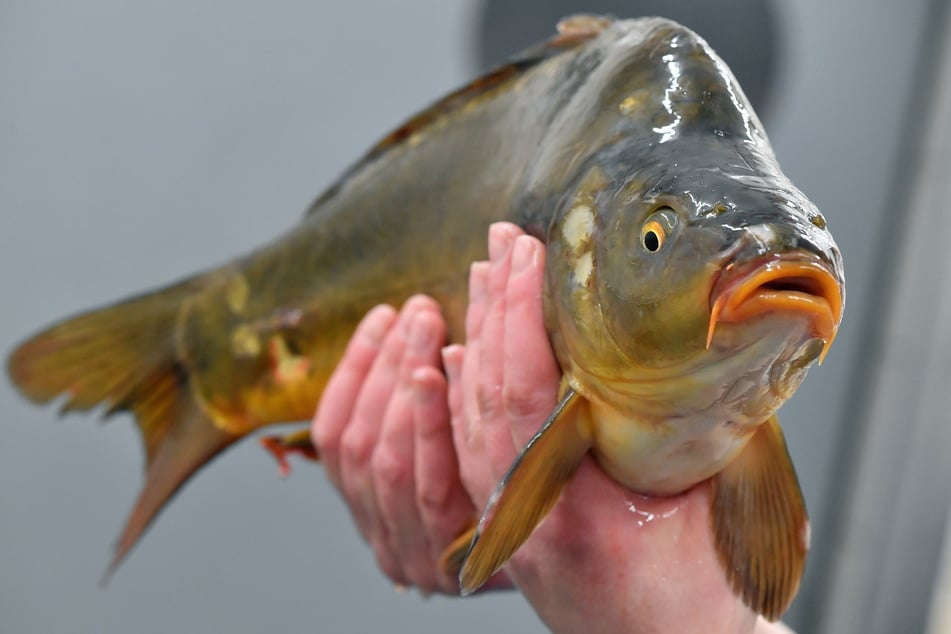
(790, 283)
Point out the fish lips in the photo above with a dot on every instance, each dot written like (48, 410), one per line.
(790, 283)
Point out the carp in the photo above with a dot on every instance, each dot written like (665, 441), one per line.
(689, 286)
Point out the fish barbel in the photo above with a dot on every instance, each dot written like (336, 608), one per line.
(688, 288)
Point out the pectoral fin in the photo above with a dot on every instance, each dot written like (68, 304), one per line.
(528, 491)
(760, 525)
(454, 555)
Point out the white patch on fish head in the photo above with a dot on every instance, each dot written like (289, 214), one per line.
(584, 266)
(577, 228)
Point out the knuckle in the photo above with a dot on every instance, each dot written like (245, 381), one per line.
(489, 400)
(524, 403)
(390, 470)
(433, 497)
(356, 447)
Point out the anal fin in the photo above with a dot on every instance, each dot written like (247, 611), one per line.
(528, 491)
(761, 529)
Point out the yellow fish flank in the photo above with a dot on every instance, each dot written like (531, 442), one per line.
(689, 286)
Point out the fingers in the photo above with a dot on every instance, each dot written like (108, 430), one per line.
(490, 352)
(531, 373)
(466, 362)
(387, 390)
(509, 373)
(454, 359)
(393, 460)
(361, 433)
(340, 395)
(483, 367)
(465, 424)
(445, 508)
(383, 429)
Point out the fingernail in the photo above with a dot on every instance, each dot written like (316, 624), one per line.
(419, 336)
(446, 354)
(378, 322)
(478, 276)
(450, 361)
(523, 254)
(423, 391)
(500, 240)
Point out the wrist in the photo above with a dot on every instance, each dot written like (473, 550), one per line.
(648, 566)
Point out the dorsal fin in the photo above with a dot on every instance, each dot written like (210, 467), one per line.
(572, 32)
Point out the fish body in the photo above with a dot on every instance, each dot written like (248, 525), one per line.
(208, 360)
(629, 148)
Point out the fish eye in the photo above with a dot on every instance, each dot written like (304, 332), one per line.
(656, 228)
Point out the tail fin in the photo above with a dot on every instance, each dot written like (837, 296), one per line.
(124, 357)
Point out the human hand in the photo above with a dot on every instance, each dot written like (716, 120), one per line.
(384, 437)
(604, 559)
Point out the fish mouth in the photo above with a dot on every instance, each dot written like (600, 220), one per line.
(798, 283)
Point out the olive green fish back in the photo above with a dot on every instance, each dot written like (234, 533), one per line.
(202, 363)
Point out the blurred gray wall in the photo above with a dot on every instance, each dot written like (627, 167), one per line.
(143, 141)
(885, 554)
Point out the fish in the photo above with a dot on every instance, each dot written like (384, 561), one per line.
(689, 287)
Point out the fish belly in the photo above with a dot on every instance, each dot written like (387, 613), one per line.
(663, 457)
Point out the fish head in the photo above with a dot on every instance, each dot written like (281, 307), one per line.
(684, 258)
(669, 261)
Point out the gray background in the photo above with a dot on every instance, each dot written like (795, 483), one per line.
(143, 141)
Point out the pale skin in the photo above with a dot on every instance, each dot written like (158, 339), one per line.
(416, 452)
